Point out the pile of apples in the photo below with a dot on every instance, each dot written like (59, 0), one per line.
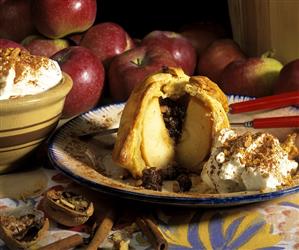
(104, 54)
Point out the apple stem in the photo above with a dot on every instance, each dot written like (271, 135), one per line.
(137, 62)
(270, 53)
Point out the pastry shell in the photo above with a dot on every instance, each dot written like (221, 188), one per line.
(143, 141)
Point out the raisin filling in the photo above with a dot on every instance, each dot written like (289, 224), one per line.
(174, 112)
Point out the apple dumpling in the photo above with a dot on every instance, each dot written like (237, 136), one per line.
(170, 119)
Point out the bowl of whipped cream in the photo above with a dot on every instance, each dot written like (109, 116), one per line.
(32, 95)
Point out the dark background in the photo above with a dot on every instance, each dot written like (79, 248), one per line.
(141, 17)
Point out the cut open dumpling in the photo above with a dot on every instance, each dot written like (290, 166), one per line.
(170, 117)
(157, 148)
(196, 140)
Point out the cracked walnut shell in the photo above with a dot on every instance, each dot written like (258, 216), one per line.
(23, 227)
(67, 208)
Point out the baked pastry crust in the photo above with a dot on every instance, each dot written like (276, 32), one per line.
(143, 140)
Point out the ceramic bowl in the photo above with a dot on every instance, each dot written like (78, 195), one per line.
(25, 122)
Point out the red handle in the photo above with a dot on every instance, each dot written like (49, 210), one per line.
(276, 122)
(268, 102)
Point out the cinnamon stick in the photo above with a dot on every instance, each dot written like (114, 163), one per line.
(65, 244)
(102, 231)
(151, 231)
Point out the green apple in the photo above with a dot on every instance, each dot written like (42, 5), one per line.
(251, 77)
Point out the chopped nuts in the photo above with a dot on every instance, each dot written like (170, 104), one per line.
(19, 59)
(22, 228)
(248, 141)
(70, 200)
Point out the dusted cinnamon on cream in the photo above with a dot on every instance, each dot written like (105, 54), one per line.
(24, 74)
(253, 162)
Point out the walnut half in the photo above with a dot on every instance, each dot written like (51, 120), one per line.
(67, 208)
(22, 228)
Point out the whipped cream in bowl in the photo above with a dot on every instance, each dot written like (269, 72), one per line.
(249, 162)
(24, 74)
(32, 95)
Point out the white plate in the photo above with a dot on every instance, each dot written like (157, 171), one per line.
(89, 162)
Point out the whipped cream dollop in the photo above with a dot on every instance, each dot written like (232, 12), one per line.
(253, 162)
(24, 74)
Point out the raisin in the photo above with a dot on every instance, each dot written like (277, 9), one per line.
(184, 182)
(152, 179)
(171, 173)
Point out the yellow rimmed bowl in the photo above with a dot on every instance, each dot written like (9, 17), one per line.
(25, 122)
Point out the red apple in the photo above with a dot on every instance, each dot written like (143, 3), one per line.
(132, 67)
(56, 18)
(15, 19)
(76, 38)
(5, 43)
(288, 79)
(250, 77)
(107, 40)
(41, 46)
(88, 75)
(202, 34)
(217, 56)
(180, 48)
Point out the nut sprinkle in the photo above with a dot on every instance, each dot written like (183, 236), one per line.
(24, 74)
(20, 60)
(250, 161)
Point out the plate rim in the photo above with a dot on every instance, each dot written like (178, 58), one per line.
(155, 198)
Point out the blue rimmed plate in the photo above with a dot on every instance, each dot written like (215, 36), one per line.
(89, 162)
